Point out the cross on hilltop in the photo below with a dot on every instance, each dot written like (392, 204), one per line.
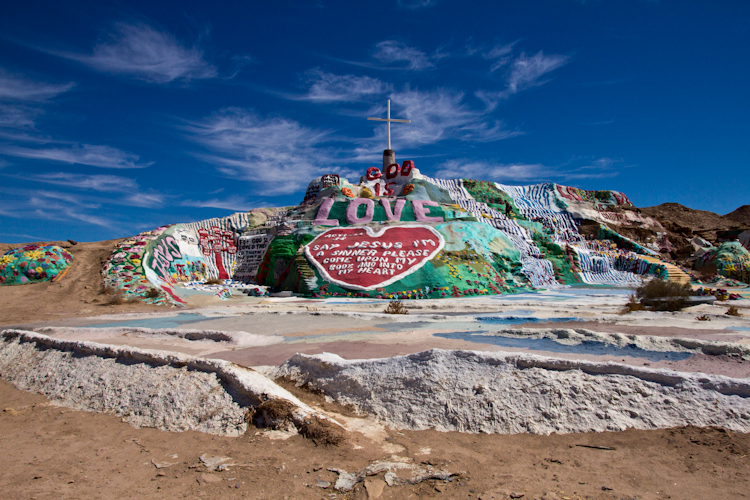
(388, 120)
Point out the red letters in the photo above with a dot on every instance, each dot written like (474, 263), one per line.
(407, 167)
(392, 170)
(373, 173)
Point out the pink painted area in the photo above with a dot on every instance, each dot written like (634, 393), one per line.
(362, 259)
(321, 219)
(169, 292)
(391, 215)
(420, 212)
(351, 211)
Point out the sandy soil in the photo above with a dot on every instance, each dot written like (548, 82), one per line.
(79, 292)
(52, 452)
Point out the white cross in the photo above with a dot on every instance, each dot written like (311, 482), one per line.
(389, 120)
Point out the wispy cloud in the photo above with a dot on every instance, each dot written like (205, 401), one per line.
(18, 117)
(85, 154)
(499, 172)
(443, 114)
(27, 237)
(328, 87)
(228, 203)
(69, 198)
(87, 198)
(395, 54)
(129, 191)
(144, 199)
(599, 168)
(145, 53)
(19, 88)
(526, 172)
(102, 183)
(392, 51)
(54, 206)
(415, 4)
(523, 72)
(21, 100)
(527, 71)
(278, 153)
(500, 55)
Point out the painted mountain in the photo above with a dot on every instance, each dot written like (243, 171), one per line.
(399, 234)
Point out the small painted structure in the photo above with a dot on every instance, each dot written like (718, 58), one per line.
(34, 264)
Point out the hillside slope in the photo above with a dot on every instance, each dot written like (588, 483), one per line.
(79, 291)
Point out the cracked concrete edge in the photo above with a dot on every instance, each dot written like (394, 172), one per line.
(251, 384)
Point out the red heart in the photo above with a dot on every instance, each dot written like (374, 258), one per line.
(364, 259)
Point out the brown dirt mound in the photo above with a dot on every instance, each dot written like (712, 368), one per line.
(676, 215)
(683, 223)
(742, 215)
(79, 292)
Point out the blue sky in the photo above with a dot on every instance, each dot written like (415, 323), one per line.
(118, 117)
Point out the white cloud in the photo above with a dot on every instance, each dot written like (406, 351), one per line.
(88, 198)
(51, 208)
(523, 72)
(18, 88)
(392, 51)
(18, 116)
(498, 172)
(442, 114)
(233, 202)
(327, 87)
(142, 52)
(278, 153)
(526, 71)
(21, 98)
(149, 199)
(500, 55)
(69, 198)
(103, 183)
(597, 169)
(524, 172)
(85, 154)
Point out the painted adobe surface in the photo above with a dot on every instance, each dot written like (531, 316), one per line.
(458, 237)
(34, 264)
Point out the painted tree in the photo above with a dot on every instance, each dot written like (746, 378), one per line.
(455, 292)
(214, 242)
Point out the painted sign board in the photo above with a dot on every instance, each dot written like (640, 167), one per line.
(362, 258)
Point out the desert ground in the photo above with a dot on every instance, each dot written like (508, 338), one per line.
(50, 450)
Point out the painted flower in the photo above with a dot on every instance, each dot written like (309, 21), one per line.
(347, 192)
(7, 259)
(33, 254)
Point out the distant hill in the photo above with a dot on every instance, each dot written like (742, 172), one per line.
(677, 215)
(683, 223)
(742, 214)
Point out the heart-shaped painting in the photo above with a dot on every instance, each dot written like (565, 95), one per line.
(364, 259)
